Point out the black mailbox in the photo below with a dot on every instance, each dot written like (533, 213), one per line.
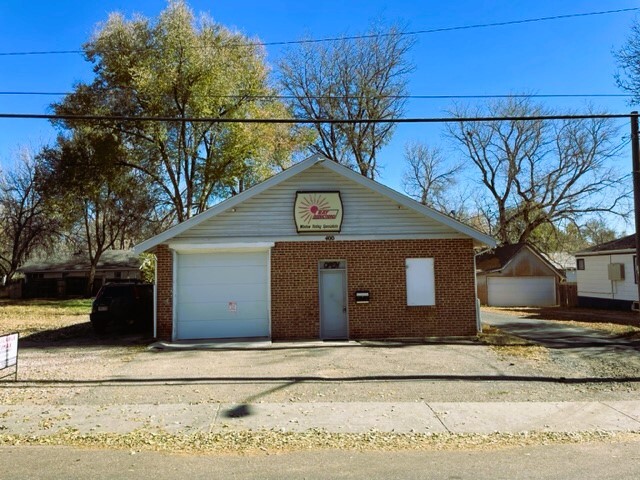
(362, 296)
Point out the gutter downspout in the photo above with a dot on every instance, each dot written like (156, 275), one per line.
(155, 298)
(475, 285)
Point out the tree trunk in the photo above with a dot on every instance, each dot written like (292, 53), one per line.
(92, 276)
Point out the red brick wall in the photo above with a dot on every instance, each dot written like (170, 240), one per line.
(164, 286)
(377, 266)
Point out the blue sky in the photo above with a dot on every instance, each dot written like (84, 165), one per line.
(552, 57)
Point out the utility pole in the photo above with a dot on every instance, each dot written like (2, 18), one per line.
(635, 162)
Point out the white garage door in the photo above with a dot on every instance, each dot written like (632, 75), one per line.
(222, 295)
(521, 291)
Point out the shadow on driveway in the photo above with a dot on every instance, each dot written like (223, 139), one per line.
(552, 334)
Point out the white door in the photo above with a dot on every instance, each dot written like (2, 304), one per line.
(222, 295)
(521, 291)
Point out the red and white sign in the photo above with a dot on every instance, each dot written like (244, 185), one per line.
(8, 350)
(318, 212)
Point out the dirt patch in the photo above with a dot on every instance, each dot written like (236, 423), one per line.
(57, 347)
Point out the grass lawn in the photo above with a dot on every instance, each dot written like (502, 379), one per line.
(29, 317)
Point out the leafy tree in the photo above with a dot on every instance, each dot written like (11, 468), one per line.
(536, 172)
(359, 79)
(27, 221)
(103, 202)
(183, 68)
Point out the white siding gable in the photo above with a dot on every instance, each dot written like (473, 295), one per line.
(268, 216)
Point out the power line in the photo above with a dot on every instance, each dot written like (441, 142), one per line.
(354, 97)
(308, 121)
(375, 35)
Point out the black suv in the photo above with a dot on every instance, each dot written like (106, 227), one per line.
(124, 307)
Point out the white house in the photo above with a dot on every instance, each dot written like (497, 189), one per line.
(607, 275)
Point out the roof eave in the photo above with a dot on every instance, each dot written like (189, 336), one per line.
(605, 252)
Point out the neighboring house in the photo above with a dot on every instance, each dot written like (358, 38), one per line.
(565, 262)
(316, 252)
(68, 277)
(517, 275)
(606, 275)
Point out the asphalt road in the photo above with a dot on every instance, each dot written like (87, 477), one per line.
(601, 461)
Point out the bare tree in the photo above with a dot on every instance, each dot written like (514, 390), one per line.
(538, 172)
(354, 79)
(628, 57)
(428, 177)
(26, 222)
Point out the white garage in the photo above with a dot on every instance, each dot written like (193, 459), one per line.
(222, 294)
(521, 291)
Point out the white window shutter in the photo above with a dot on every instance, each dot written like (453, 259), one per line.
(421, 286)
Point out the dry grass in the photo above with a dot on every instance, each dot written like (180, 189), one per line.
(506, 345)
(612, 328)
(29, 317)
(270, 441)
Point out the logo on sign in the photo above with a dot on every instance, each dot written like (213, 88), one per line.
(316, 207)
(318, 212)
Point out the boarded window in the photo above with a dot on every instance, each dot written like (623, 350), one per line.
(421, 285)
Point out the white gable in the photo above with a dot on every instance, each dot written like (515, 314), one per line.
(268, 216)
(265, 213)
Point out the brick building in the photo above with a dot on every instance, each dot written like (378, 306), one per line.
(316, 252)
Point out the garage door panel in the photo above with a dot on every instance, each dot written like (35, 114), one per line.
(212, 311)
(521, 291)
(222, 275)
(221, 259)
(222, 295)
(221, 329)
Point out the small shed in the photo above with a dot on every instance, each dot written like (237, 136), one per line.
(516, 275)
(67, 277)
(607, 275)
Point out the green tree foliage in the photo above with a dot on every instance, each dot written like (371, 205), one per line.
(102, 200)
(182, 67)
(356, 80)
(572, 237)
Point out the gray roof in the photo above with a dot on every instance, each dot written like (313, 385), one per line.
(562, 260)
(624, 243)
(109, 260)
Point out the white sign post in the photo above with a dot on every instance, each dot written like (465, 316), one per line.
(9, 354)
